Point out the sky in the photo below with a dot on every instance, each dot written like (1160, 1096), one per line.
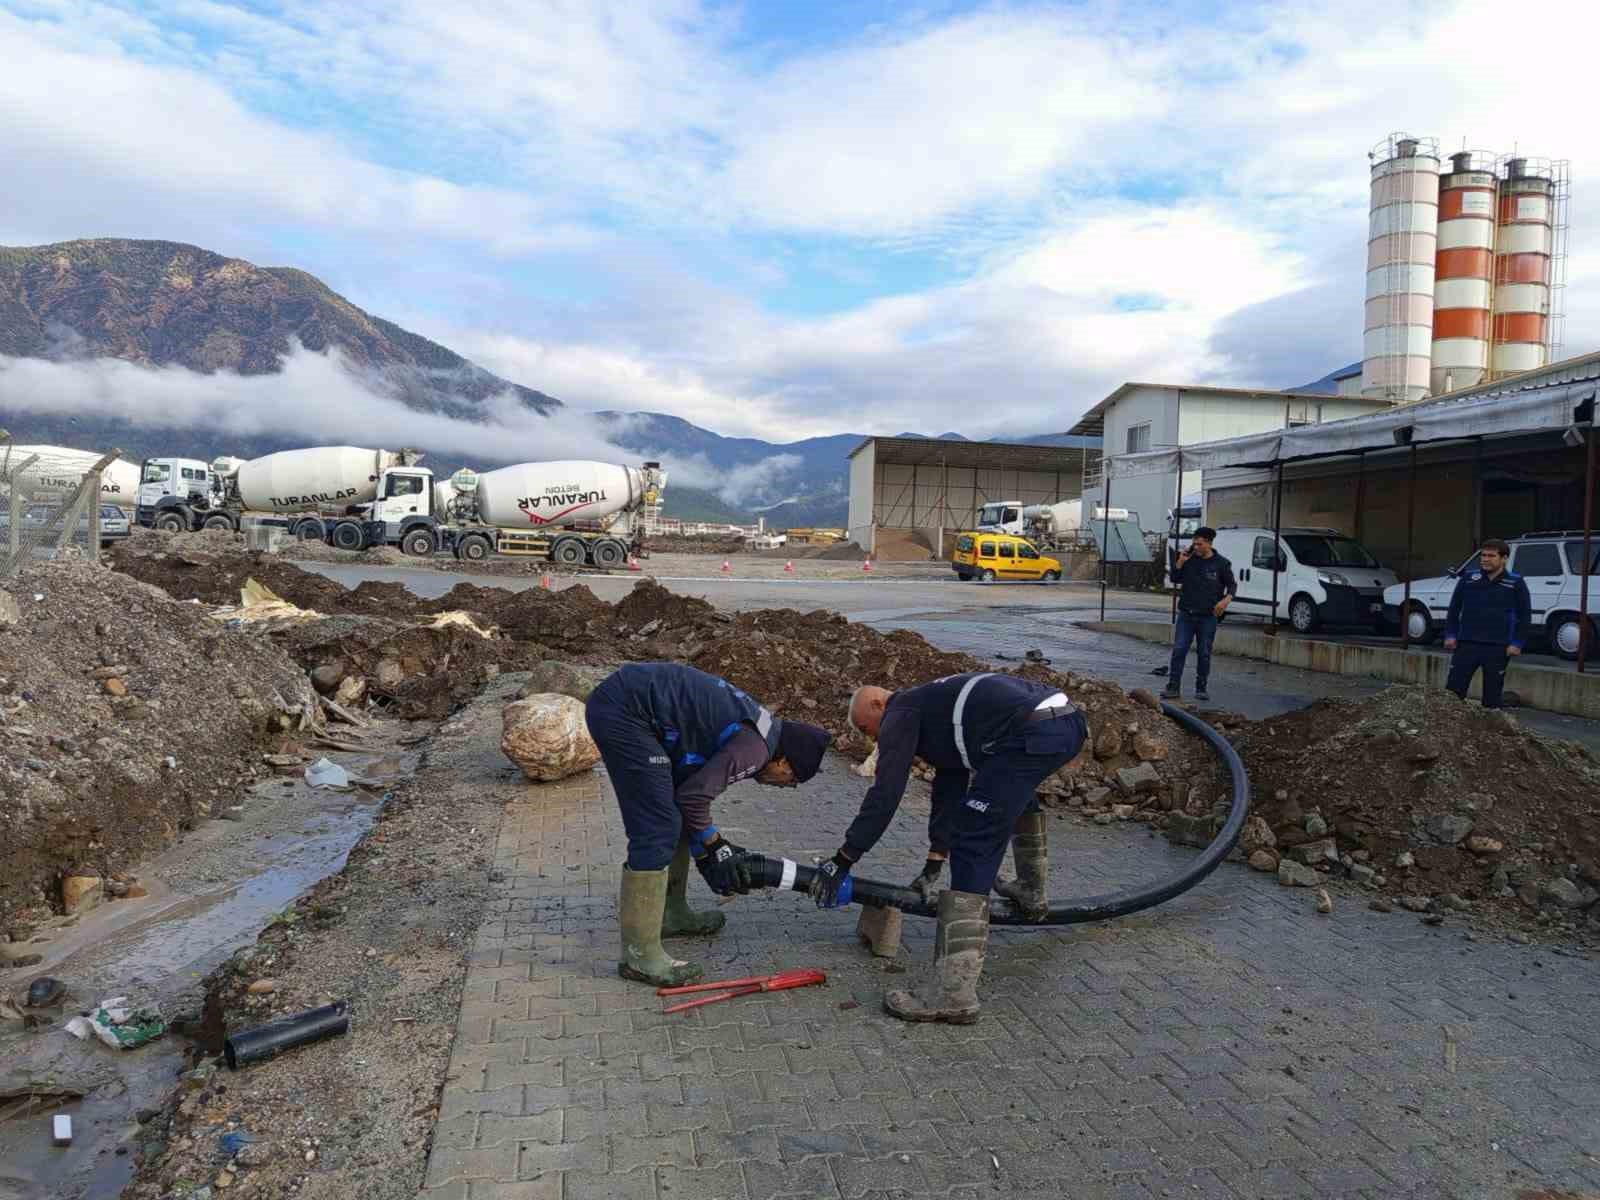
(784, 220)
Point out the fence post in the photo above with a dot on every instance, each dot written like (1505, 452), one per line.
(14, 531)
(92, 480)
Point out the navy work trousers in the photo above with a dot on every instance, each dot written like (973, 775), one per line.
(1200, 630)
(641, 773)
(1004, 786)
(1466, 660)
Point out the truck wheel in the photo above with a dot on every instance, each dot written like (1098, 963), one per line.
(610, 554)
(1052, 576)
(473, 548)
(347, 535)
(568, 552)
(418, 543)
(1302, 614)
(987, 575)
(171, 522)
(311, 530)
(218, 522)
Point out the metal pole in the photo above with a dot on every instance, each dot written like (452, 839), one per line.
(1361, 492)
(1176, 505)
(1475, 518)
(1411, 521)
(1277, 525)
(14, 539)
(1105, 536)
(1588, 553)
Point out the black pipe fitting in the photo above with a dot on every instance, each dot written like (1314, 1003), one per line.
(782, 873)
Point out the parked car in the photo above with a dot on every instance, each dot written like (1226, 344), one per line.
(1324, 576)
(1551, 562)
(36, 518)
(990, 556)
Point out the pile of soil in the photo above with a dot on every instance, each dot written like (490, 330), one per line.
(1442, 799)
(124, 716)
(902, 545)
(677, 543)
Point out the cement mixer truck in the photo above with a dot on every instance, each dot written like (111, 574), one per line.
(52, 473)
(353, 498)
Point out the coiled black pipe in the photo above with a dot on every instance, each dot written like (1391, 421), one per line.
(782, 873)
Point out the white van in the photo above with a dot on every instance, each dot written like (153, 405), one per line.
(1552, 565)
(1324, 577)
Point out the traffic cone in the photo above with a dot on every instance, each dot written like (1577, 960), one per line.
(544, 582)
(788, 568)
(866, 565)
(633, 563)
(727, 567)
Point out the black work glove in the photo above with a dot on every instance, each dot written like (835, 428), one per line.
(924, 884)
(723, 867)
(829, 879)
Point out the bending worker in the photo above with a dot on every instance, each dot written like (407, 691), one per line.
(673, 739)
(998, 737)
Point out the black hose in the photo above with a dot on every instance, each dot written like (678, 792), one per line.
(782, 873)
(263, 1041)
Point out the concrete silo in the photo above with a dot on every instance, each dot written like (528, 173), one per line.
(1402, 245)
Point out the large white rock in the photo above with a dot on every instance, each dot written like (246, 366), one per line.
(547, 737)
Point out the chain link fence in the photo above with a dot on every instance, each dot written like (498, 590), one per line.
(64, 519)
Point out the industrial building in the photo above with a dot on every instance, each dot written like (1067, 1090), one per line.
(1140, 417)
(914, 491)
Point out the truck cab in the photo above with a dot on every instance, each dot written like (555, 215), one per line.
(402, 515)
(176, 493)
(1003, 516)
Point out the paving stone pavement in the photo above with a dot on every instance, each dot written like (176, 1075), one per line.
(1231, 1043)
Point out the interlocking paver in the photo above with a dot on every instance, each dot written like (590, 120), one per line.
(1226, 1044)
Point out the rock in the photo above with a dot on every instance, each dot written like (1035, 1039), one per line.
(1316, 827)
(1138, 781)
(352, 690)
(389, 673)
(546, 735)
(225, 1179)
(1448, 829)
(1293, 874)
(1263, 860)
(114, 687)
(1324, 901)
(1257, 835)
(1561, 891)
(1485, 845)
(1122, 812)
(1185, 830)
(1149, 749)
(1455, 903)
(1528, 893)
(1433, 919)
(263, 987)
(10, 614)
(14, 955)
(256, 1154)
(1103, 818)
(1414, 903)
(45, 991)
(116, 889)
(1406, 859)
(137, 891)
(1379, 904)
(326, 678)
(1363, 874)
(1096, 796)
(80, 893)
(1108, 743)
(1145, 697)
(552, 677)
(1312, 853)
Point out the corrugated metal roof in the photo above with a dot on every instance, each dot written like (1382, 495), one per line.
(1093, 421)
(1016, 456)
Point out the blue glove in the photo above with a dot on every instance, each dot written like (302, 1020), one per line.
(828, 880)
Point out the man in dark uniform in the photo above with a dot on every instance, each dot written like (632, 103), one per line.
(1206, 587)
(992, 740)
(1489, 617)
(674, 738)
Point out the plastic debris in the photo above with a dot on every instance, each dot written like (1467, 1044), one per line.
(61, 1129)
(324, 773)
(119, 1024)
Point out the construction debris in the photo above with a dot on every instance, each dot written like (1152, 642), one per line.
(546, 735)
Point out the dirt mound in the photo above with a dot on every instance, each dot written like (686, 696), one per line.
(1437, 796)
(649, 601)
(676, 543)
(902, 545)
(124, 715)
(843, 552)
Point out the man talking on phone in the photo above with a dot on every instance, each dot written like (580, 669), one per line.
(1205, 589)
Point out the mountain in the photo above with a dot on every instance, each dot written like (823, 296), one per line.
(166, 303)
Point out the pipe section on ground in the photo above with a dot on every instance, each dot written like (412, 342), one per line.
(264, 1041)
(785, 874)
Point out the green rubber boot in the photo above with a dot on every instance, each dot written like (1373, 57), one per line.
(1030, 850)
(678, 919)
(949, 991)
(644, 896)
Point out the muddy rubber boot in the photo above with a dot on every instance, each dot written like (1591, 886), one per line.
(644, 897)
(949, 991)
(678, 919)
(1029, 847)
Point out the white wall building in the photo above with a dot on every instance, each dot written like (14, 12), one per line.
(1138, 417)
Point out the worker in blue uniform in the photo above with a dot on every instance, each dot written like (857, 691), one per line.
(673, 739)
(1490, 616)
(992, 740)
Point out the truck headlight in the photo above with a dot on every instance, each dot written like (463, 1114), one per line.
(1332, 577)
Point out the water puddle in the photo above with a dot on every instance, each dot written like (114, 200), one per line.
(208, 896)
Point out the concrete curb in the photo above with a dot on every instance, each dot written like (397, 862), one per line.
(1550, 689)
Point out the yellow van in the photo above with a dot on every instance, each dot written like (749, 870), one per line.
(990, 556)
